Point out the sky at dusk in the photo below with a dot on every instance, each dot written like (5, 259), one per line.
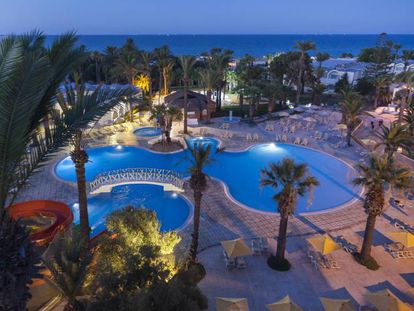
(208, 16)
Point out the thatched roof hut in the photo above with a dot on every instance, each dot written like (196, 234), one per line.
(198, 104)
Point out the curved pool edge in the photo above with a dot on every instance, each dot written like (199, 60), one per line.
(225, 186)
(227, 192)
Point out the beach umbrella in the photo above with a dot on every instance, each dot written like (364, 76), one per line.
(323, 244)
(341, 126)
(231, 304)
(385, 300)
(236, 248)
(403, 237)
(309, 119)
(285, 304)
(299, 109)
(282, 114)
(296, 117)
(337, 304)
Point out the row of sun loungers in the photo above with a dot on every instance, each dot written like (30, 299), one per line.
(227, 134)
(322, 261)
(237, 262)
(203, 132)
(259, 246)
(252, 137)
(225, 126)
(398, 251)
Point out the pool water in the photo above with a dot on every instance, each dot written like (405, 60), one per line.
(148, 131)
(232, 120)
(172, 209)
(240, 171)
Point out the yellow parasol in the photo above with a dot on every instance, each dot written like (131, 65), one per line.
(384, 300)
(323, 244)
(285, 304)
(232, 304)
(341, 126)
(403, 237)
(337, 304)
(236, 248)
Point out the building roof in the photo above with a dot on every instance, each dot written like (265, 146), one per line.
(196, 101)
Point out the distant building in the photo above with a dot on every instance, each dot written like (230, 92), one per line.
(336, 68)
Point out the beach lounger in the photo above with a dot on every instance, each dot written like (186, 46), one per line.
(249, 137)
(256, 247)
(305, 142)
(284, 138)
(256, 137)
(241, 263)
(297, 141)
(230, 262)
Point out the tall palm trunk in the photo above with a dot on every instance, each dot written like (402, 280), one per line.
(282, 239)
(241, 104)
(368, 237)
(131, 107)
(165, 76)
(185, 104)
(251, 109)
(196, 228)
(300, 77)
(209, 93)
(403, 106)
(376, 98)
(348, 134)
(80, 158)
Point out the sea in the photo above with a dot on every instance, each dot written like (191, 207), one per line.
(255, 45)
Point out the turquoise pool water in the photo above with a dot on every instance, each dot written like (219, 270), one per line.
(172, 209)
(148, 131)
(240, 171)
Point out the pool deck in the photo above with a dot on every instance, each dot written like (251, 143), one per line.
(223, 219)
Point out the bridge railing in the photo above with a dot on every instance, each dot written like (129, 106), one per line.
(128, 175)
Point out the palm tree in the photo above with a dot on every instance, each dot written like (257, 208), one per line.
(165, 116)
(146, 59)
(30, 74)
(408, 79)
(218, 61)
(200, 155)
(322, 57)
(289, 180)
(380, 83)
(407, 55)
(110, 55)
(394, 137)
(163, 59)
(376, 176)
(81, 110)
(209, 79)
(68, 267)
(96, 57)
(408, 118)
(127, 67)
(187, 63)
(303, 47)
(351, 108)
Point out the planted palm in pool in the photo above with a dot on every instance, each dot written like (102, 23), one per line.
(240, 171)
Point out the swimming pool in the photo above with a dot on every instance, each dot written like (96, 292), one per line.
(239, 171)
(172, 209)
(148, 131)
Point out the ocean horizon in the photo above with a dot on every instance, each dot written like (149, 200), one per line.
(255, 45)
